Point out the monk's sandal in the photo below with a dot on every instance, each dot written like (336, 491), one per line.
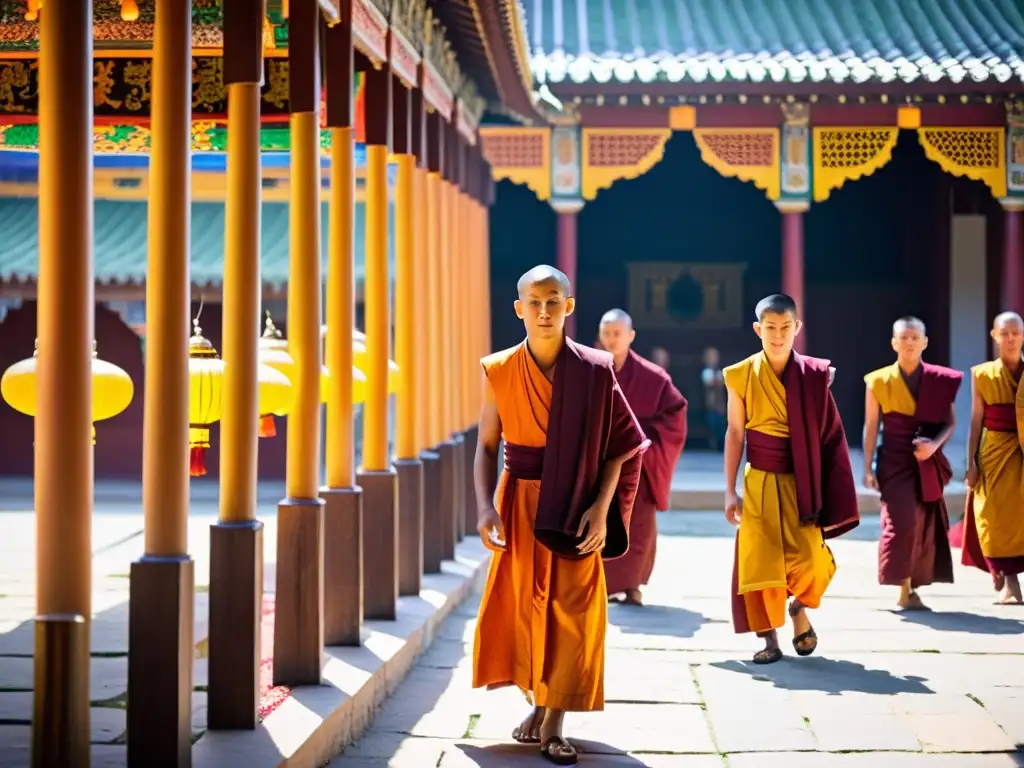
(559, 751)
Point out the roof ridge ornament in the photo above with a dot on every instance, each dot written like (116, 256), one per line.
(796, 113)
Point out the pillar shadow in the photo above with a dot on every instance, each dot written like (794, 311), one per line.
(828, 676)
(959, 621)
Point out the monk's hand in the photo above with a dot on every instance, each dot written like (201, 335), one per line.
(973, 474)
(924, 448)
(595, 523)
(870, 481)
(491, 530)
(733, 508)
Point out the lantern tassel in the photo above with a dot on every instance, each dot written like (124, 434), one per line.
(199, 443)
(267, 426)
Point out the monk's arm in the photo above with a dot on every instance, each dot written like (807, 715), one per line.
(871, 412)
(485, 462)
(610, 473)
(947, 428)
(974, 433)
(735, 434)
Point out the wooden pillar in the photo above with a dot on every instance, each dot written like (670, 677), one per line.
(1012, 283)
(162, 588)
(343, 499)
(469, 362)
(450, 519)
(793, 261)
(487, 200)
(566, 252)
(236, 540)
(299, 615)
(455, 325)
(433, 513)
(377, 478)
(63, 425)
(408, 467)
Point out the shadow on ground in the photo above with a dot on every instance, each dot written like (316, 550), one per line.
(828, 676)
(502, 755)
(958, 621)
(665, 620)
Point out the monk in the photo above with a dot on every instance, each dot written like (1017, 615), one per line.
(993, 526)
(572, 450)
(798, 486)
(914, 403)
(661, 411)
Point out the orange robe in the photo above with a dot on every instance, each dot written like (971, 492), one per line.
(776, 556)
(542, 618)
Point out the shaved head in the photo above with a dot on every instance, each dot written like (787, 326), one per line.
(1006, 319)
(617, 316)
(544, 274)
(908, 323)
(776, 304)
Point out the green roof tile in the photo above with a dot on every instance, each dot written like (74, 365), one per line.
(775, 40)
(120, 236)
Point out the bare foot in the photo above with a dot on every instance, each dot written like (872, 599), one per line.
(629, 597)
(1012, 593)
(805, 641)
(771, 652)
(913, 602)
(528, 732)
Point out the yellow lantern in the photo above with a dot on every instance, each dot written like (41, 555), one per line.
(129, 10)
(205, 383)
(361, 361)
(273, 356)
(112, 388)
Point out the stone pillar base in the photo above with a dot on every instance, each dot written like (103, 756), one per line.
(298, 615)
(161, 643)
(433, 534)
(380, 544)
(410, 525)
(60, 705)
(343, 565)
(449, 522)
(236, 612)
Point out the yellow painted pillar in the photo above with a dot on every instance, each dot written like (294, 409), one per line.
(63, 425)
(421, 276)
(436, 391)
(343, 498)
(299, 627)
(236, 540)
(162, 581)
(444, 306)
(377, 477)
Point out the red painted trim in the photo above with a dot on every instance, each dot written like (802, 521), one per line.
(965, 115)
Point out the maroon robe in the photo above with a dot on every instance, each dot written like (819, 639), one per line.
(915, 527)
(661, 411)
(590, 423)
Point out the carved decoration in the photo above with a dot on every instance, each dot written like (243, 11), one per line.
(747, 154)
(370, 30)
(611, 154)
(521, 155)
(977, 153)
(847, 154)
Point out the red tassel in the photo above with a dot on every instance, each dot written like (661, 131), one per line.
(267, 426)
(197, 461)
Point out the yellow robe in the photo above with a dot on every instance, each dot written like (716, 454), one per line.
(776, 555)
(891, 391)
(542, 618)
(999, 494)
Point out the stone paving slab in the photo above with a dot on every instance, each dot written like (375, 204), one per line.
(942, 689)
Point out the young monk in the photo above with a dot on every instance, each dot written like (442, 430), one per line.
(993, 526)
(797, 485)
(913, 401)
(661, 411)
(572, 452)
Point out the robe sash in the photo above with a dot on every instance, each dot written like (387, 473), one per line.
(1000, 418)
(769, 453)
(898, 434)
(524, 462)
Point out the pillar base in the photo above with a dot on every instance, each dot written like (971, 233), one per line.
(449, 522)
(459, 487)
(432, 521)
(410, 526)
(60, 705)
(469, 492)
(343, 565)
(380, 544)
(236, 613)
(161, 643)
(298, 615)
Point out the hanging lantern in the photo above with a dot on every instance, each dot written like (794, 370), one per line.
(361, 361)
(112, 388)
(32, 10)
(205, 382)
(129, 10)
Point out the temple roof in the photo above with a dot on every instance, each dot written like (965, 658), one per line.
(600, 41)
(120, 237)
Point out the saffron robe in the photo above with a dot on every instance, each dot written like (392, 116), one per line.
(542, 617)
(914, 543)
(797, 489)
(661, 410)
(993, 525)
